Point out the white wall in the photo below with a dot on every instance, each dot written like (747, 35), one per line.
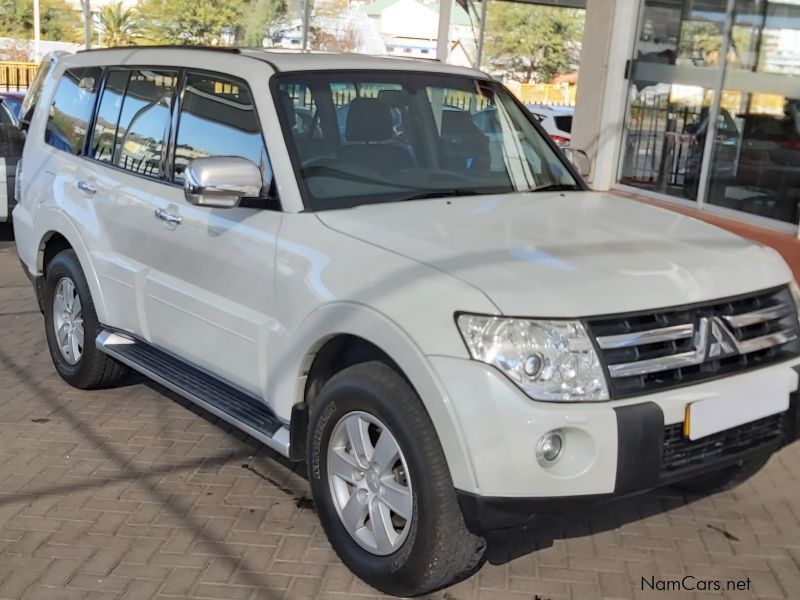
(602, 88)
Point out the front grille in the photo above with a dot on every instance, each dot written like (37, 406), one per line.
(682, 454)
(655, 351)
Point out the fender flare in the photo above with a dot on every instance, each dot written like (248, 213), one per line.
(286, 386)
(51, 222)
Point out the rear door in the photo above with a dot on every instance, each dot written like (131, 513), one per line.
(210, 294)
(126, 152)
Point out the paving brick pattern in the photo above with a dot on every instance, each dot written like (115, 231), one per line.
(131, 493)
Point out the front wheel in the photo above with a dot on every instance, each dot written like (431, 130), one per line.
(382, 487)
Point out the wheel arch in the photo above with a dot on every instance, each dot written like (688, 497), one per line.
(58, 234)
(342, 334)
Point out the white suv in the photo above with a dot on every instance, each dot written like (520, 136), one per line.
(329, 253)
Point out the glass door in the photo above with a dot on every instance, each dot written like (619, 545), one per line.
(676, 67)
(759, 171)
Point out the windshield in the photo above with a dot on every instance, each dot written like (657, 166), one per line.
(368, 137)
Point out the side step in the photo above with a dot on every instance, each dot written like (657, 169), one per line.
(239, 409)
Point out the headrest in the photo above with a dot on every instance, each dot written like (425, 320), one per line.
(458, 122)
(368, 120)
(144, 89)
(398, 98)
(287, 104)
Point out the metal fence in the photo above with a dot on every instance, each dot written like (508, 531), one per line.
(549, 94)
(16, 75)
(658, 149)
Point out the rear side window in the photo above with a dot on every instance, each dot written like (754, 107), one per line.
(104, 139)
(72, 108)
(144, 121)
(35, 90)
(218, 118)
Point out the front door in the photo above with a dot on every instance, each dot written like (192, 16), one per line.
(209, 295)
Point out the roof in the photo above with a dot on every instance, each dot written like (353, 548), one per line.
(458, 15)
(279, 60)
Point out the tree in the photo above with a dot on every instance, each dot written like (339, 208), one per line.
(700, 42)
(58, 20)
(119, 26)
(262, 17)
(532, 43)
(203, 22)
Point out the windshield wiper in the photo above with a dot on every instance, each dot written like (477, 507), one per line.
(554, 187)
(445, 193)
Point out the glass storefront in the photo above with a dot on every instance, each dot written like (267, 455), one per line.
(687, 69)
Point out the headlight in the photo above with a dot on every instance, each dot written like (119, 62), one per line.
(548, 360)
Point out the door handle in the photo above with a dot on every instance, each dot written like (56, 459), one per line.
(85, 187)
(169, 218)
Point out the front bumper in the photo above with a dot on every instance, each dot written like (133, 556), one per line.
(618, 448)
(639, 469)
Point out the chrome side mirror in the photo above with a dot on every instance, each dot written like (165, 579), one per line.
(579, 159)
(221, 181)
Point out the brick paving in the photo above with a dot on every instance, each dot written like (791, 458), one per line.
(132, 493)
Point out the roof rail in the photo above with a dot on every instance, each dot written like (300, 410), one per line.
(228, 49)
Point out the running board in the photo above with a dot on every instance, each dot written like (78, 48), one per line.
(239, 409)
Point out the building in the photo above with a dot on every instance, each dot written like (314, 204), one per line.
(409, 28)
(695, 102)
(692, 102)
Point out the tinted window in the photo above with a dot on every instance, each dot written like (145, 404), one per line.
(389, 137)
(35, 89)
(564, 123)
(105, 125)
(144, 122)
(14, 105)
(6, 118)
(218, 119)
(72, 109)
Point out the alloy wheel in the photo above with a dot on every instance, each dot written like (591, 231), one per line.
(68, 320)
(370, 483)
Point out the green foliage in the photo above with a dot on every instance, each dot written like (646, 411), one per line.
(58, 20)
(214, 22)
(192, 21)
(119, 26)
(700, 41)
(532, 43)
(262, 15)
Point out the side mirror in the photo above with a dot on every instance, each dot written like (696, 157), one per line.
(221, 181)
(579, 159)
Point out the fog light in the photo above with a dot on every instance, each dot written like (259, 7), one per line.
(549, 448)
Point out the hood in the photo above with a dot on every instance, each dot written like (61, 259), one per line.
(568, 254)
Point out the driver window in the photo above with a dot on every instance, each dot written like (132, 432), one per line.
(218, 118)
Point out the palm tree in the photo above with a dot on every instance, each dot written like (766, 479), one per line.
(119, 26)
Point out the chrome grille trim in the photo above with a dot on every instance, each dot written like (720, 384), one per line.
(759, 316)
(768, 341)
(697, 357)
(654, 365)
(676, 346)
(651, 336)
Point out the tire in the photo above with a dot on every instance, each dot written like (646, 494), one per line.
(87, 368)
(434, 548)
(11, 141)
(722, 479)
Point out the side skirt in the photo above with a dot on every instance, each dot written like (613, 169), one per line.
(238, 408)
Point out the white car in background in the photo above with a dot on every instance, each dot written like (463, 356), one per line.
(556, 120)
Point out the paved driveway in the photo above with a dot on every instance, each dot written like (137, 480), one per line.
(132, 493)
